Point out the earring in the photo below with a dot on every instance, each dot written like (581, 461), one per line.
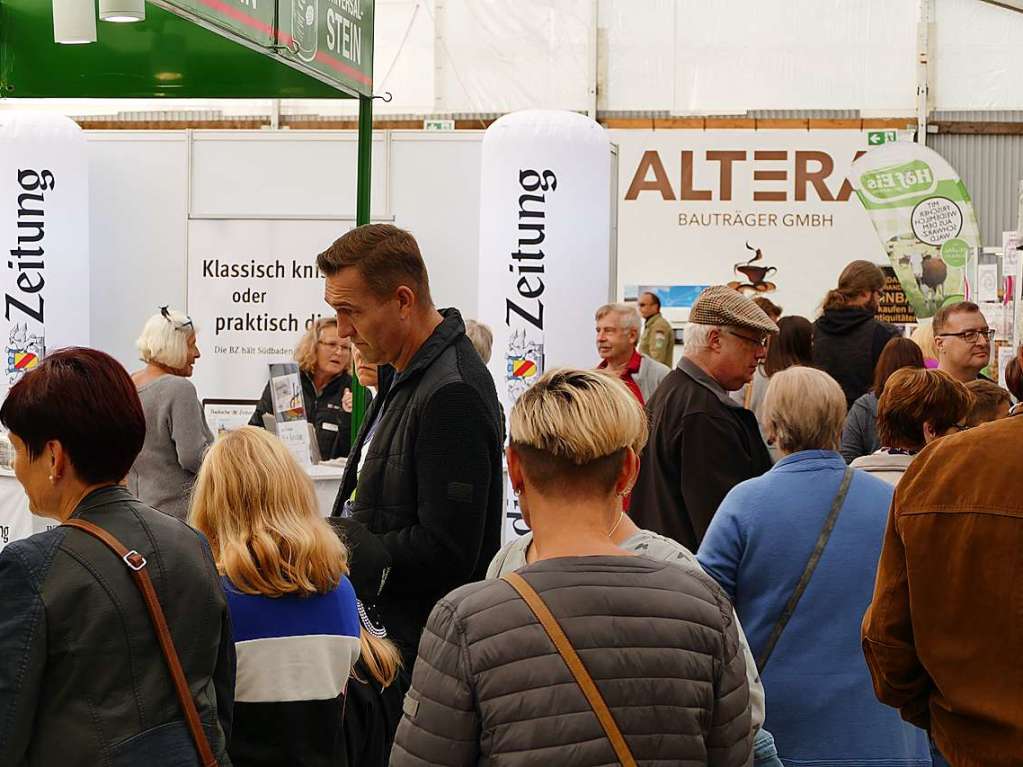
(517, 490)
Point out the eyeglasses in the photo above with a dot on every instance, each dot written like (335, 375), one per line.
(331, 344)
(972, 336)
(761, 342)
(186, 325)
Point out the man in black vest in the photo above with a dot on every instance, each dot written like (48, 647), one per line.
(424, 475)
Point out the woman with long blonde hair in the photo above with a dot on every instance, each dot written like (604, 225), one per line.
(295, 616)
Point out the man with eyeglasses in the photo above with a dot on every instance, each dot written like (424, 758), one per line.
(963, 340)
(702, 443)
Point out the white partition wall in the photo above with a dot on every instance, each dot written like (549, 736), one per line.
(165, 202)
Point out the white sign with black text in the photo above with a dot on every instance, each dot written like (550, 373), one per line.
(253, 290)
(44, 227)
(545, 249)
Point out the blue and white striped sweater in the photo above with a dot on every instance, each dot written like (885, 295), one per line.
(295, 654)
(293, 648)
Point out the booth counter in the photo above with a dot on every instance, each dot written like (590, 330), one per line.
(16, 522)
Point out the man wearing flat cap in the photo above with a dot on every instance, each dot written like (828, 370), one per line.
(702, 443)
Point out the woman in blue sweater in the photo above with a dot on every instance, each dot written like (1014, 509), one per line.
(822, 710)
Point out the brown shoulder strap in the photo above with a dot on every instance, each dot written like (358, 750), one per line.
(136, 563)
(575, 665)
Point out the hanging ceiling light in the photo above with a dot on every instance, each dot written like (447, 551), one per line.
(74, 21)
(122, 10)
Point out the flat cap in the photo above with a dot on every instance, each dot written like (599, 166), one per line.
(721, 305)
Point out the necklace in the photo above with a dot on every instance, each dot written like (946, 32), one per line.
(621, 516)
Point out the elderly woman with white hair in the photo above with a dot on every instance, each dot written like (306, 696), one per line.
(797, 550)
(500, 680)
(176, 430)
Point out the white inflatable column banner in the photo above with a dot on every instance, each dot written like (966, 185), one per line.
(44, 228)
(545, 249)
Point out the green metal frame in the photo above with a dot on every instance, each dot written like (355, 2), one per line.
(362, 213)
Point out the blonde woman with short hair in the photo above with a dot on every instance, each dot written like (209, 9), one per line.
(490, 687)
(324, 361)
(176, 430)
(294, 612)
(759, 546)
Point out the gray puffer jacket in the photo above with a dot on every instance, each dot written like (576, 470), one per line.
(490, 689)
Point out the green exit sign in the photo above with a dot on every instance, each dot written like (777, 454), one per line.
(878, 137)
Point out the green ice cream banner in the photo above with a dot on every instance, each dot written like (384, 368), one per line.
(923, 214)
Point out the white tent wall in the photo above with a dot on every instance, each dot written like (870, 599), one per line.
(977, 58)
(664, 56)
(140, 195)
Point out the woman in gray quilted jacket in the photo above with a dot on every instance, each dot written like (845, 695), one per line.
(659, 641)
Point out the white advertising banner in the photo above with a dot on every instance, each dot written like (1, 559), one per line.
(771, 212)
(253, 290)
(925, 221)
(44, 227)
(545, 249)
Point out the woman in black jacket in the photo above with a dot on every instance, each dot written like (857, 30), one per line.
(83, 680)
(323, 361)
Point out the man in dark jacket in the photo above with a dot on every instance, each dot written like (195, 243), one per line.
(702, 443)
(424, 475)
(847, 340)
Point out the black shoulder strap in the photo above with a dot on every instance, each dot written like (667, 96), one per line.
(811, 565)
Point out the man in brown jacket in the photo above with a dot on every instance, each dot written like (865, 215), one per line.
(943, 636)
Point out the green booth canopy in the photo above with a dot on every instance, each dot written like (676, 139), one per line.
(195, 49)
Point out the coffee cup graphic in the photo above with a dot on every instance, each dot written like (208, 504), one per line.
(756, 274)
(304, 28)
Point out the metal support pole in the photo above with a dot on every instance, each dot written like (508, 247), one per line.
(923, 64)
(365, 160)
(593, 70)
(362, 208)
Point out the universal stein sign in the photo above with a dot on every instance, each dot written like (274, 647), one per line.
(45, 230)
(691, 201)
(545, 200)
(333, 37)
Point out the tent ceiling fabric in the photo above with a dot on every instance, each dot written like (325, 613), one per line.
(668, 57)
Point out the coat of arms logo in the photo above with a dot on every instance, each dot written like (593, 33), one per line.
(524, 363)
(25, 349)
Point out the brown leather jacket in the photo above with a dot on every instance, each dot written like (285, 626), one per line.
(943, 636)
